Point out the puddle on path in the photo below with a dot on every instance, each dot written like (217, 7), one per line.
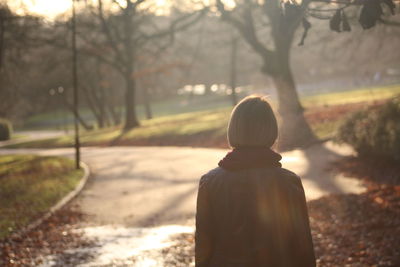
(121, 246)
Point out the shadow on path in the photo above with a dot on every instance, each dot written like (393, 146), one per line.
(313, 166)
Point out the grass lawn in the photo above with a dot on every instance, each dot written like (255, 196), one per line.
(30, 185)
(61, 119)
(180, 129)
(202, 128)
(207, 128)
(352, 96)
(17, 136)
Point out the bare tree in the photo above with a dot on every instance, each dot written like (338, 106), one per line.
(233, 71)
(126, 34)
(278, 22)
(16, 40)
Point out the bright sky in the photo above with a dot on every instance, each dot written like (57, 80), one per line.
(51, 8)
(46, 8)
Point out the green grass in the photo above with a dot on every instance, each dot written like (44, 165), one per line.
(58, 120)
(17, 136)
(30, 185)
(205, 128)
(181, 129)
(351, 96)
(326, 129)
(164, 130)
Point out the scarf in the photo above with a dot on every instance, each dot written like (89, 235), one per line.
(250, 157)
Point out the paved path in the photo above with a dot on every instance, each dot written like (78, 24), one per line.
(146, 186)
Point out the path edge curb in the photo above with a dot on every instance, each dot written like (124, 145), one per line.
(64, 201)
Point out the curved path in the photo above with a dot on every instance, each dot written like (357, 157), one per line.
(147, 186)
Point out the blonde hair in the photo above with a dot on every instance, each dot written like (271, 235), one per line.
(252, 123)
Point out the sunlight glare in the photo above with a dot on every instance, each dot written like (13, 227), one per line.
(46, 8)
(52, 8)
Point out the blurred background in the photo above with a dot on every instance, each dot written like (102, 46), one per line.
(147, 88)
(181, 57)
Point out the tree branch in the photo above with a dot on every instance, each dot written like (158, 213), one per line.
(245, 28)
(175, 27)
(137, 3)
(107, 32)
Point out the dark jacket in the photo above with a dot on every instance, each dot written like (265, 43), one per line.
(250, 218)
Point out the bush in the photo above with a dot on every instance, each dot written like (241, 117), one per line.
(374, 132)
(5, 129)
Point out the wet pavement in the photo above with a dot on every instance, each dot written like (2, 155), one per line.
(121, 246)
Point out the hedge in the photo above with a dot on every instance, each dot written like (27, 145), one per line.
(374, 132)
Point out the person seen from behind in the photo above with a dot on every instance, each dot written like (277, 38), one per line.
(251, 212)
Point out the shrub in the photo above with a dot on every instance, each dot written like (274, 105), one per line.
(5, 129)
(374, 132)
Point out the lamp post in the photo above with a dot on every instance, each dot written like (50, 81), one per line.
(75, 87)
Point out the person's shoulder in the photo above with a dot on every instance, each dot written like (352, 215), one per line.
(286, 173)
(212, 174)
(290, 177)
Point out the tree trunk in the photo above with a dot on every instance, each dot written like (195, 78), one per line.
(92, 106)
(76, 113)
(129, 28)
(234, 44)
(207, 88)
(115, 115)
(131, 120)
(103, 115)
(294, 131)
(100, 101)
(111, 109)
(147, 106)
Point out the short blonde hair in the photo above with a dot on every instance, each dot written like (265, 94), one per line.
(252, 123)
